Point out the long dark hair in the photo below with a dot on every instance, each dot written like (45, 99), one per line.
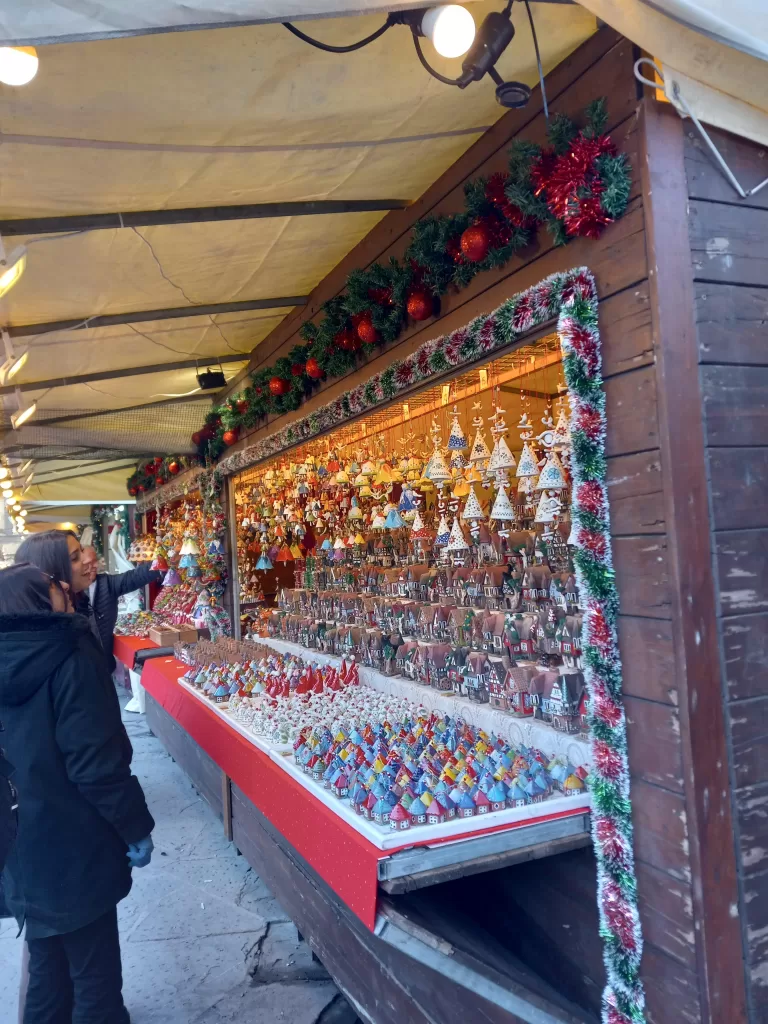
(24, 589)
(49, 552)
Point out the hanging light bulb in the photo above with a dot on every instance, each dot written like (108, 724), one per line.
(18, 64)
(451, 29)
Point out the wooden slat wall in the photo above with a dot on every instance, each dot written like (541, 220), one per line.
(730, 267)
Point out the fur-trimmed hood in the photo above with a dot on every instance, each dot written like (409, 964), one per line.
(32, 648)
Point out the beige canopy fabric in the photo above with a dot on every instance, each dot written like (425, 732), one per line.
(179, 120)
(716, 53)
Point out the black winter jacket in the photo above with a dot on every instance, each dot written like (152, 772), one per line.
(108, 590)
(79, 805)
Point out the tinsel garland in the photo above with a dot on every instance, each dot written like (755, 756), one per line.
(571, 298)
(575, 187)
(158, 472)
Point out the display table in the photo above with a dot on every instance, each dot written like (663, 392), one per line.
(350, 854)
(126, 648)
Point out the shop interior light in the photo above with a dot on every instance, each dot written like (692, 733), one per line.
(4, 474)
(12, 366)
(451, 29)
(21, 417)
(10, 499)
(11, 268)
(23, 513)
(16, 507)
(18, 64)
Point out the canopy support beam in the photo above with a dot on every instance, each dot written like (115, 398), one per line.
(147, 315)
(194, 215)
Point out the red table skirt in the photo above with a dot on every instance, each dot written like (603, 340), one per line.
(339, 854)
(125, 648)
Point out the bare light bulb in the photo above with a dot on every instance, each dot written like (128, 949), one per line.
(18, 64)
(451, 29)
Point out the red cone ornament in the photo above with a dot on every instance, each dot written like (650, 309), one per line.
(475, 243)
(420, 305)
(278, 386)
(314, 369)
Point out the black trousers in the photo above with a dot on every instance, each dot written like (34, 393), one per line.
(77, 978)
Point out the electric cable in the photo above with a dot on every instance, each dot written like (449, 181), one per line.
(538, 62)
(339, 49)
(426, 66)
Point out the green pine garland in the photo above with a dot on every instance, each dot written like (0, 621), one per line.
(509, 208)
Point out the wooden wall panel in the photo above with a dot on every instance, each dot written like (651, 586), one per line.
(729, 244)
(742, 565)
(653, 735)
(735, 409)
(661, 829)
(737, 478)
(625, 330)
(667, 910)
(731, 323)
(630, 401)
(744, 640)
(635, 494)
(749, 741)
(747, 161)
(648, 658)
(642, 575)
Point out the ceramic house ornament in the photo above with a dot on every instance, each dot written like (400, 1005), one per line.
(561, 437)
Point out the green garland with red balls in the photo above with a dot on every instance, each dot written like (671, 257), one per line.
(158, 471)
(574, 187)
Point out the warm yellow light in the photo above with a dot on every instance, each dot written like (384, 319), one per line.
(23, 415)
(16, 507)
(451, 29)
(18, 64)
(23, 513)
(3, 473)
(6, 485)
(17, 365)
(13, 268)
(10, 499)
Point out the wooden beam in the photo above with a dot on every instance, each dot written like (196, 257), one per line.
(147, 315)
(706, 781)
(129, 371)
(193, 215)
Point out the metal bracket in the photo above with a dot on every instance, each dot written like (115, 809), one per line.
(678, 101)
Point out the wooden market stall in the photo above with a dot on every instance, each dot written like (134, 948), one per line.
(680, 281)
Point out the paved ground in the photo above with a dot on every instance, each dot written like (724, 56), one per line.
(204, 941)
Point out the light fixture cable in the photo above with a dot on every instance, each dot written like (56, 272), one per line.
(391, 20)
(538, 61)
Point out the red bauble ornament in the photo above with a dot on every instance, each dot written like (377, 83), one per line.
(475, 242)
(366, 332)
(420, 305)
(141, 488)
(348, 340)
(278, 386)
(158, 460)
(229, 437)
(132, 491)
(314, 369)
(242, 405)
(197, 437)
(149, 468)
(173, 468)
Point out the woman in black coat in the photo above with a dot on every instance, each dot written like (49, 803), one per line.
(82, 818)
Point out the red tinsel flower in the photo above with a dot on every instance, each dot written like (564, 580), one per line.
(607, 760)
(495, 193)
(588, 420)
(612, 843)
(523, 318)
(593, 542)
(591, 497)
(453, 349)
(404, 372)
(619, 915)
(485, 335)
(599, 633)
(578, 287)
(541, 171)
(584, 344)
(602, 705)
(422, 361)
(615, 1016)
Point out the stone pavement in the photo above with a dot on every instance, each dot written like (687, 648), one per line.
(203, 939)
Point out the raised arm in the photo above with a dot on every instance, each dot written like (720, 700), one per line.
(132, 580)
